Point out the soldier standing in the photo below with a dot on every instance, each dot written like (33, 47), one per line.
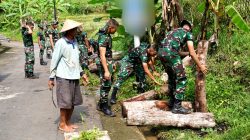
(41, 43)
(47, 41)
(53, 34)
(84, 47)
(171, 60)
(136, 61)
(106, 64)
(27, 30)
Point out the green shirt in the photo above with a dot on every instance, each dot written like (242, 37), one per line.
(81, 38)
(105, 40)
(41, 35)
(54, 33)
(177, 38)
(138, 55)
(27, 38)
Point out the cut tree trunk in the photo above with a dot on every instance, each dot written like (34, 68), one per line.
(200, 93)
(149, 105)
(148, 95)
(167, 118)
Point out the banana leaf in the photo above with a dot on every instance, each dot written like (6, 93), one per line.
(236, 18)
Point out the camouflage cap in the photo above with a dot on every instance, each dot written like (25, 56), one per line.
(186, 22)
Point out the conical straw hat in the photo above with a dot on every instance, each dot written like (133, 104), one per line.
(70, 24)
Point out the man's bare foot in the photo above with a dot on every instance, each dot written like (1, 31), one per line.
(66, 128)
(73, 126)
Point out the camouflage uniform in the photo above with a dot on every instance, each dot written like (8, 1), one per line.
(55, 35)
(47, 44)
(83, 49)
(105, 40)
(171, 60)
(133, 63)
(29, 51)
(42, 41)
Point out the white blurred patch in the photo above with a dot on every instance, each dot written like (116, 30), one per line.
(164, 77)
(4, 93)
(137, 15)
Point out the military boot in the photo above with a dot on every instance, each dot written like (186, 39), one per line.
(26, 74)
(32, 76)
(106, 109)
(113, 96)
(178, 109)
(42, 62)
(171, 101)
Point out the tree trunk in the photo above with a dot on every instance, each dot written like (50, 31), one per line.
(148, 95)
(167, 118)
(200, 93)
(179, 11)
(144, 96)
(204, 22)
(148, 105)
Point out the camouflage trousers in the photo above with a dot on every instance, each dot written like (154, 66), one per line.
(83, 56)
(41, 53)
(48, 47)
(126, 70)
(105, 84)
(29, 59)
(172, 63)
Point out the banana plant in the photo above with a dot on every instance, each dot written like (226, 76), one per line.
(220, 8)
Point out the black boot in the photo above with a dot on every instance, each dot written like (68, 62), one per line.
(42, 62)
(31, 76)
(106, 109)
(113, 96)
(178, 109)
(26, 74)
(171, 101)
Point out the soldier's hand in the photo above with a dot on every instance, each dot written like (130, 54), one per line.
(51, 84)
(203, 69)
(107, 75)
(156, 74)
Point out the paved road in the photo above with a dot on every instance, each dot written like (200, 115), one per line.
(26, 109)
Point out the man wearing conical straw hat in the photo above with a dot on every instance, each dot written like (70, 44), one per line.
(65, 67)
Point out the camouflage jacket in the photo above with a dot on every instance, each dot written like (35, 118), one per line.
(27, 38)
(177, 38)
(81, 38)
(138, 55)
(41, 35)
(105, 40)
(54, 33)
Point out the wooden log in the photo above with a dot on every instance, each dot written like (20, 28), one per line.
(200, 93)
(167, 118)
(187, 61)
(144, 96)
(148, 105)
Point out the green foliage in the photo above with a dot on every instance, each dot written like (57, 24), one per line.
(236, 18)
(92, 134)
(38, 10)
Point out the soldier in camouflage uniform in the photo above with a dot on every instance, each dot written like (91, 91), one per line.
(47, 41)
(84, 47)
(136, 61)
(53, 34)
(27, 30)
(105, 64)
(171, 60)
(41, 43)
